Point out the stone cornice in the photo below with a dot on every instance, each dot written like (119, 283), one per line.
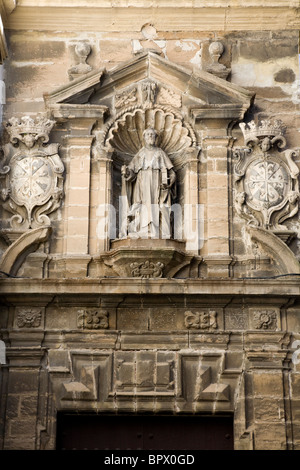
(188, 15)
(282, 287)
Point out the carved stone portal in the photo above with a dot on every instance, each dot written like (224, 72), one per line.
(32, 173)
(266, 179)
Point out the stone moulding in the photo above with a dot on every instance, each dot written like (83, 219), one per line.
(147, 269)
(78, 91)
(284, 258)
(265, 319)
(17, 252)
(111, 16)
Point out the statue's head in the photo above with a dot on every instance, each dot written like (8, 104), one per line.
(266, 144)
(150, 136)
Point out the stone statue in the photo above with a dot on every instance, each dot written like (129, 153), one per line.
(148, 186)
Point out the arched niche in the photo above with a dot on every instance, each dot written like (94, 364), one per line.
(123, 138)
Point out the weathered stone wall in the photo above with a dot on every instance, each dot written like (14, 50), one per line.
(265, 63)
(80, 334)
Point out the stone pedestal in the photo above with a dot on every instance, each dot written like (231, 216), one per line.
(146, 258)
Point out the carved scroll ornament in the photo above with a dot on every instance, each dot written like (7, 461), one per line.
(32, 175)
(266, 179)
(203, 320)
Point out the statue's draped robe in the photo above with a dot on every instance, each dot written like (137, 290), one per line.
(146, 198)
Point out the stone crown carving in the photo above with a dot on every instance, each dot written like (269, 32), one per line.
(252, 131)
(28, 130)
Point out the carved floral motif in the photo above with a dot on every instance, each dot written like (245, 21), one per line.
(201, 320)
(126, 98)
(32, 172)
(29, 317)
(265, 319)
(168, 96)
(93, 319)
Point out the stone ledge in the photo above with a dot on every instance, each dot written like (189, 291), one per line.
(184, 17)
(72, 288)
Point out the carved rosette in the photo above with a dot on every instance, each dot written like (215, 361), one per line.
(264, 319)
(92, 319)
(28, 317)
(266, 179)
(32, 173)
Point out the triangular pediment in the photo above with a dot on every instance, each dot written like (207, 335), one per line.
(100, 90)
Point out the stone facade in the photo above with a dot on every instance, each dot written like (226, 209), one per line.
(202, 322)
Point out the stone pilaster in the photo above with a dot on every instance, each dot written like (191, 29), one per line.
(76, 246)
(22, 399)
(265, 401)
(106, 213)
(193, 228)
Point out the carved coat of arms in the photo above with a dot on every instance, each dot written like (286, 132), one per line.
(32, 173)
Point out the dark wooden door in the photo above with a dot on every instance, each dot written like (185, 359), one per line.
(104, 432)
